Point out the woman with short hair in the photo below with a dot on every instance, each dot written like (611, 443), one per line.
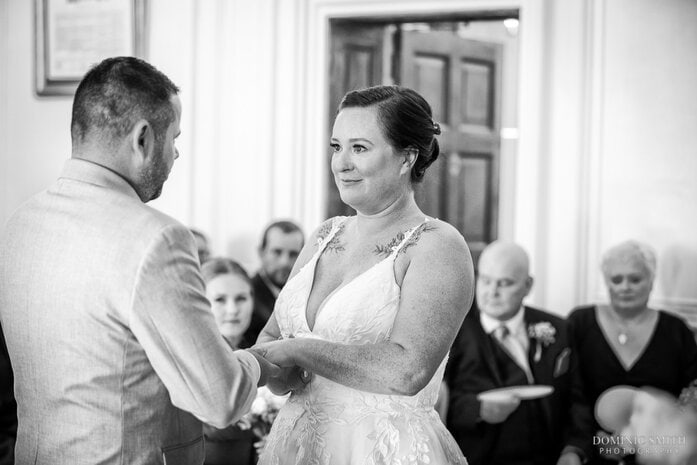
(626, 342)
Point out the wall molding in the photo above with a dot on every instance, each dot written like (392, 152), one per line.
(208, 44)
(4, 160)
(590, 207)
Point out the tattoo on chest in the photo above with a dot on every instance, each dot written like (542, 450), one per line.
(335, 244)
(387, 249)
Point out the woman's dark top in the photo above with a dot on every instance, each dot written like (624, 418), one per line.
(668, 362)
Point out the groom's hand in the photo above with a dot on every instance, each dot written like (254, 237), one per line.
(268, 369)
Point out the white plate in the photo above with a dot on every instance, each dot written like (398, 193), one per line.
(533, 391)
(614, 407)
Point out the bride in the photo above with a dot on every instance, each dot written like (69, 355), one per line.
(374, 302)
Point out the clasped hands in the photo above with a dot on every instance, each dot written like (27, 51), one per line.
(280, 372)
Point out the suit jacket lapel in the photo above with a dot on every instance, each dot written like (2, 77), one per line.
(538, 368)
(529, 319)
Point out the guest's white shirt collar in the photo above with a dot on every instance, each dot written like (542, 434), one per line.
(515, 325)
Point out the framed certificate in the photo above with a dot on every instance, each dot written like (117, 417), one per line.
(73, 35)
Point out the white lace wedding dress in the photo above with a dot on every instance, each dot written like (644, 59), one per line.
(328, 423)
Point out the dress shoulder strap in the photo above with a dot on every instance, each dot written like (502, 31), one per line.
(407, 237)
(337, 224)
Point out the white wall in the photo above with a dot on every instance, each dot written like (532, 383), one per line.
(241, 167)
(647, 166)
(4, 163)
(34, 135)
(605, 114)
(236, 169)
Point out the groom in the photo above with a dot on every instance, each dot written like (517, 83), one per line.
(504, 344)
(116, 355)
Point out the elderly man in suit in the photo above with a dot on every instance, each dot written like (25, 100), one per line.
(280, 246)
(505, 344)
(116, 355)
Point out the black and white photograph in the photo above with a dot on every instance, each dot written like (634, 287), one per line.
(348, 232)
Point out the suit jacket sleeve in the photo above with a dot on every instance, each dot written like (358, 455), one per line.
(172, 320)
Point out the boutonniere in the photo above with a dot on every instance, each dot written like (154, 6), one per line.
(543, 333)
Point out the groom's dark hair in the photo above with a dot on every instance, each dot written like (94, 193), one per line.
(118, 92)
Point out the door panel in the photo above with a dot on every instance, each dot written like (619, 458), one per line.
(476, 107)
(432, 78)
(474, 174)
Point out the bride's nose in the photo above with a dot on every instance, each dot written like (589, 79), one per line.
(341, 161)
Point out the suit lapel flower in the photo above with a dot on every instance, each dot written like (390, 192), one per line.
(543, 333)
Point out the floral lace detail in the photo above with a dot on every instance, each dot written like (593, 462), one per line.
(328, 423)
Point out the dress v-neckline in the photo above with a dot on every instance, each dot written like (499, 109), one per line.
(618, 358)
(332, 294)
(338, 289)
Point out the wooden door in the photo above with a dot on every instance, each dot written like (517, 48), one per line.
(356, 62)
(461, 79)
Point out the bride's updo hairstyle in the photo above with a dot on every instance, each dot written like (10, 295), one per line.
(405, 120)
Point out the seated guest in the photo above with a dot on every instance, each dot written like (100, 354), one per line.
(626, 342)
(504, 343)
(229, 290)
(202, 245)
(8, 407)
(281, 243)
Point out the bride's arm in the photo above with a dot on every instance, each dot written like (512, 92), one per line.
(271, 332)
(436, 294)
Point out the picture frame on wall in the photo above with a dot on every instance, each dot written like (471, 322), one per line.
(72, 35)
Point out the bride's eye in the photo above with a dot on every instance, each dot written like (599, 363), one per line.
(335, 147)
(358, 148)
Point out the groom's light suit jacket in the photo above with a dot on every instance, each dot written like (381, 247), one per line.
(116, 354)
